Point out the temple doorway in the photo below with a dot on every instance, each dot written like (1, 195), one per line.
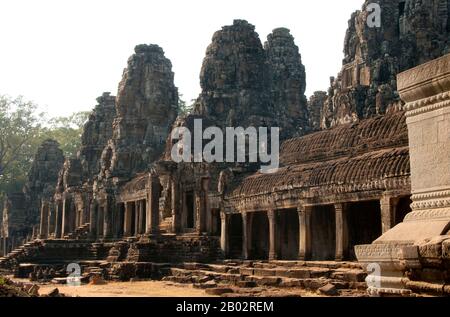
(363, 223)
(288, 234)
(235, 236)
(259, 249)
(323, 233)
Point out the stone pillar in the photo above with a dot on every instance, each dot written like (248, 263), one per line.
(224, 233)
(304, 218)
(271, 214)
(341, 232)
(153, 205)
(58, 220)
(93, 220)
(176, 218)
(108, 219)
(66, 218)
(388, 205)
(246, 235)
(128, 219)
(136, 218)
(43, 226)
(425, 90)
(201, 199)
(5, 246)
(51, 220)
(142, 218)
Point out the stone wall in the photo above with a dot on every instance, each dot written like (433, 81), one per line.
(411, 33)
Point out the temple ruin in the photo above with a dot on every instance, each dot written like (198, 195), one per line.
(352, 164)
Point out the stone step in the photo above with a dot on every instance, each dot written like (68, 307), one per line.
(284, 275)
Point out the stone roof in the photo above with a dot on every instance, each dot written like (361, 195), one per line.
(355, 157)
(348, 140)
(366, 171)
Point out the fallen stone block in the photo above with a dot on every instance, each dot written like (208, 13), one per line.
(329, 290)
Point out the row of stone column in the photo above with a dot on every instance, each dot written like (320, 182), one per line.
(202, 215)
(62, 217)
(57, 220)
(387, 205)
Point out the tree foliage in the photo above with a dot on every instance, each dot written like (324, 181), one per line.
(22, 130)
(183, 107)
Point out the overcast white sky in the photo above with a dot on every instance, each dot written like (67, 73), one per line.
(64, 54)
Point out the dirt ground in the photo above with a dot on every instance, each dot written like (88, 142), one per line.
(126, 289)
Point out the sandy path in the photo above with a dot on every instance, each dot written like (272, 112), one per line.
(126, 289)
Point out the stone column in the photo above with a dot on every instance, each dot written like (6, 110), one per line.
(245, 235)
(176, 218)
(58, 220)
(136, 218)
(51, 220)
(139, 216)
(144, 215)
(153, 205)
(341, 232)
(5, 246)
(127, 219)
(271, 214)
(304, 218)
(224, 233)
(108, 219)
(425, 90)
(201, 198)
(388, 206)
(66, 218)
(43, 226)
(93, 220)
(116, 221)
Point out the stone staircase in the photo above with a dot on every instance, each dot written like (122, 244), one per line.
(165, 225)
(79, 234)
(345, 277)
(21, 252)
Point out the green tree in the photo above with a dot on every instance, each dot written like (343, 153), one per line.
(20, 126)
(22, 130)
(67, 131)
(183, 107)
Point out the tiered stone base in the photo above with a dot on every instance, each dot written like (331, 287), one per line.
(254, 278)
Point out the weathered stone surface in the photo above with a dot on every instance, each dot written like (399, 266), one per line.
(287, 83)
(146, 105)
(329, 290)
(412, 32)
(315, 105)
(96, 133)
(21, 212)
(42, 177)
(246, 84)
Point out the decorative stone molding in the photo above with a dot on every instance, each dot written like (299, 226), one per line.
(425, 81)
(428, 104)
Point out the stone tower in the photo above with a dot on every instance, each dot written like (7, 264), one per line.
(146, 106)
(412, 32)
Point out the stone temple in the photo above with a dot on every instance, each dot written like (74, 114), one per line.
(364, 177)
